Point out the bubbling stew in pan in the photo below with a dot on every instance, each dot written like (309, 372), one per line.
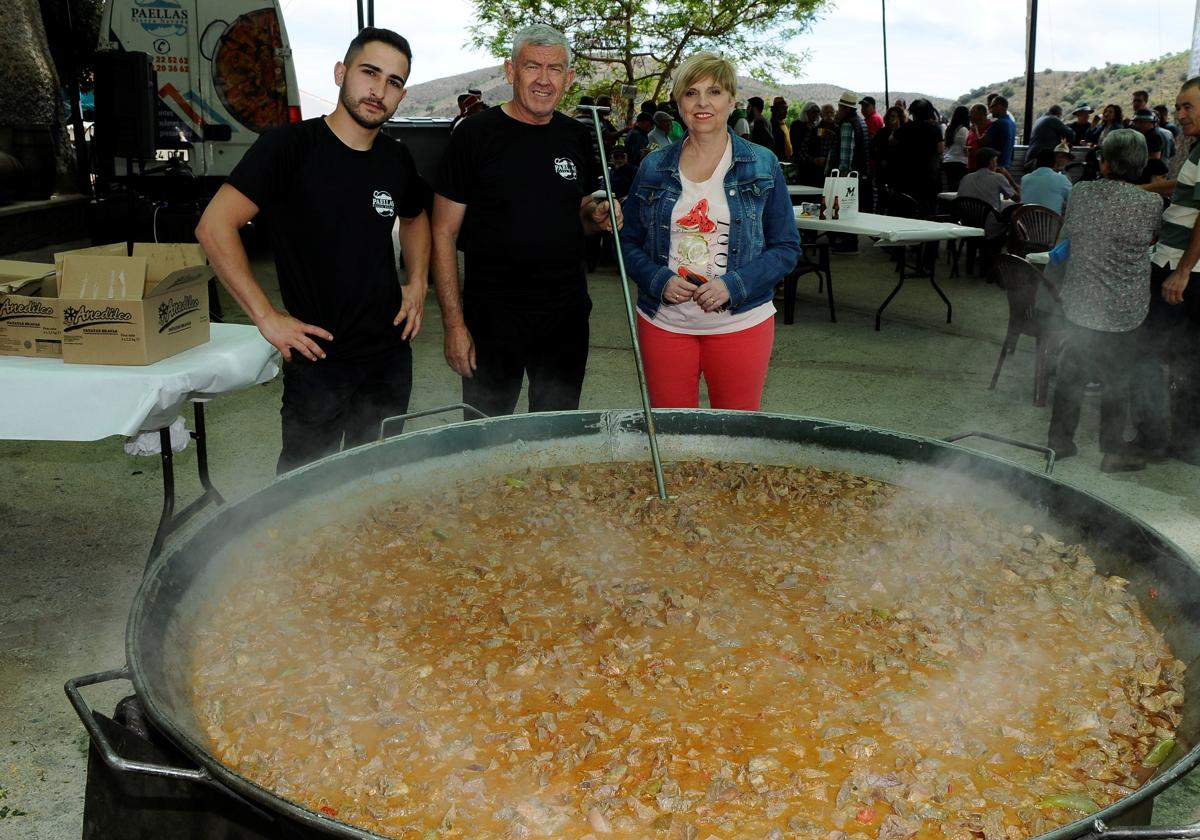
(777, 652)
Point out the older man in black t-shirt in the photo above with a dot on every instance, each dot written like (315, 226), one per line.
(331, 190)
(515, 195)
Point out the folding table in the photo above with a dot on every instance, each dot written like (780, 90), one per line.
(892, 231)
(45, 399)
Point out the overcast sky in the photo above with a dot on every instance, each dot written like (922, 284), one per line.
(938, 47)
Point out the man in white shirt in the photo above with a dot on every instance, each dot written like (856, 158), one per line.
(987, 184)
(660, 137)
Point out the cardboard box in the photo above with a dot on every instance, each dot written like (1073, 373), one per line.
(119, 310)
(30, 320)
(116, 249)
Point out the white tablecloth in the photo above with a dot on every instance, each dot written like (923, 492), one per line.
(889, 228)
(800, 190)
(45, 399)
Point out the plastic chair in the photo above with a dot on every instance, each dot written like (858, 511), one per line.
(905, 206)
(1020, 281)
(814, 259)
(974, 212)
(918, 259)
(1034, 228)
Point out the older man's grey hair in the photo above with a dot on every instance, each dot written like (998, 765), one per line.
(540, 35)
(1125, 151)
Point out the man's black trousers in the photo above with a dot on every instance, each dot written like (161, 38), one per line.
(551, 347)
(330, 402)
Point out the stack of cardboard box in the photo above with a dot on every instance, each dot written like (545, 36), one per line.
(103, 306)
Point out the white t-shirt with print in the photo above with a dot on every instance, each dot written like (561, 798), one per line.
(700, 244)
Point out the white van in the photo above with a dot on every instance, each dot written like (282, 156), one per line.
(225, 73)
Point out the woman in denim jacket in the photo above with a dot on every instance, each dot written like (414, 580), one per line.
(709, 232)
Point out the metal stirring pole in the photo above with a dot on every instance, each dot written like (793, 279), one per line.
(629, 313)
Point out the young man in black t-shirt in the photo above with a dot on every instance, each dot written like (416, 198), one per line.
(514, 193)
(330, 191)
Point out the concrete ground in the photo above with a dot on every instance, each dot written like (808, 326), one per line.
(78, 518)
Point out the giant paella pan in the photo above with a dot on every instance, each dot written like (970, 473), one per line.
(830, 638)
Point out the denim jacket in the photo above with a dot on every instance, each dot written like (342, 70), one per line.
(764, 243)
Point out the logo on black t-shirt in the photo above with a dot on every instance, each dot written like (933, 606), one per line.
(565, 167)
(383, 203)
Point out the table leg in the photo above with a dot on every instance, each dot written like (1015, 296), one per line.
(887, 300)
(932, 268)
(925, 265)
(168, 520)
(942, 295)
(202, 454)
(168, 510)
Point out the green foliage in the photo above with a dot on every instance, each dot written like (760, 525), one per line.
(1097, 86)
(971, 96)
(641, 44)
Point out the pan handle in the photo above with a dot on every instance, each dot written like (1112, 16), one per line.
(466, 409)
(1100, 831)
(1033, 447)
(107, 753)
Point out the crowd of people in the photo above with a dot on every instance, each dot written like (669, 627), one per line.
(707, 229)
(1125, 307)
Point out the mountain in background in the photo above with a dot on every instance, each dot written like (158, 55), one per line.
(439, 97)
(1096, 86)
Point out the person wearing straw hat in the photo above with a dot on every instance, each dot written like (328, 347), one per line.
(1083, 122)
(709, 233)
(849, 153)
(514, 192)
(1063, 156)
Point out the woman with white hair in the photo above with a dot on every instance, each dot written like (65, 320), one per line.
(709, 232)
(1110, 225)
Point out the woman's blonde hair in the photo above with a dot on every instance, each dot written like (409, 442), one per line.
(704, 65)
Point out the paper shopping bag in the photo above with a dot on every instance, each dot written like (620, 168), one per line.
(841, 195)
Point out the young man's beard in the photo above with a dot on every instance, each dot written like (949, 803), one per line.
(351, 107)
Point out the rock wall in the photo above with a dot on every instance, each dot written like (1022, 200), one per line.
(29, 85)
